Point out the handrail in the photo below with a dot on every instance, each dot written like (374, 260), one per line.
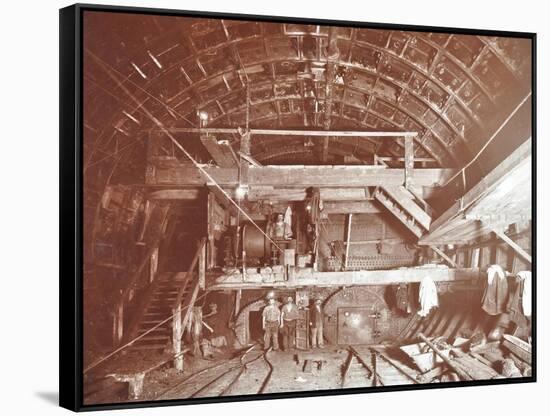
(186, 321)
(177, 323)
(118, 315)
(184, 286)
(142, 265)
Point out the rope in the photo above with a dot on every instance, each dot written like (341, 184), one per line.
(488, 141)
(169, 108)
(161, 126)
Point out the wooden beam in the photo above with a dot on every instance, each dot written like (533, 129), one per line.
(250, 159)
(175, 194)
(219, 152)
(402, 159)
(242, 172)
(309, 278)
(270, 193)
(409, 161)
(379, 161)
(238, 297)
(407, 201)
(202, 267)
(523, 254)
(177, 332)
(222, 199)
(449, 261)
(276, 132)
(351, 207)
(332, 57)
(348, 239)
(295, 176)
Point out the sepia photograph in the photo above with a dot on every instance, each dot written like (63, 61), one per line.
(277, 206)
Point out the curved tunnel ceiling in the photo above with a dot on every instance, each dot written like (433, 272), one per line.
(453, 90)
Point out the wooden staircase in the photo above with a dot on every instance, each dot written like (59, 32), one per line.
(159, 309)
(405, 206)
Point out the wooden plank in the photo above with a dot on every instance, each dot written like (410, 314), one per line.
(444, 256)
(177, 333)
(348, 236)
(202, 266)
(351, 207)
(250, 159)
(175, 194)
(309, 278)
(523, 254)
(452, 364)
(294, 176)
(270, 193)
(409, 161)
(189, 275)
(238, 296)
(459, 231)
(276, 132)
(407, 221)
(406, 200)
(408, 372)
(519, 347)
(402, 159)
(219, 152)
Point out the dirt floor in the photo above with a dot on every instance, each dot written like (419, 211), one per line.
(275, 372)
(255, 372)
(318, 369)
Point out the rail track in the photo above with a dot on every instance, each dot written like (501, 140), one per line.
(249, 373)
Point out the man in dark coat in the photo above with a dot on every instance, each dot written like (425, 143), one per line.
(316, 324)
(289, 314)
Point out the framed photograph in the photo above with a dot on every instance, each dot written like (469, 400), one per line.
(258, 207)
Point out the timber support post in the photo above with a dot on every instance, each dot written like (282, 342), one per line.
(409, 161)
(176, 339)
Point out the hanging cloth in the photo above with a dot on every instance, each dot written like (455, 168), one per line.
(525, 276)
(514, 307)
(427, 296)
(495, 298)
(288, 223)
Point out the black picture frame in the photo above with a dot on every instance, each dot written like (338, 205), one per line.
(71, 205)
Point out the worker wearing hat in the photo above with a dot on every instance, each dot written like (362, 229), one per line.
(316, 324)
(271, 318)
(289, 315)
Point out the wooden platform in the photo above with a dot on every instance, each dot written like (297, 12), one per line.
(307, 277)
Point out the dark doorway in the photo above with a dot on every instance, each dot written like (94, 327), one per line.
(255, 330)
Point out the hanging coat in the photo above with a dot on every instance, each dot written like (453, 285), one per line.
(495, 298)
(525, 276)
(427, 296)
(514, 307)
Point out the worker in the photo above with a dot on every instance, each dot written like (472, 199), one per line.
(271, 318)
(289, 314)
(316, 324)
(196, 329)
(279, 227)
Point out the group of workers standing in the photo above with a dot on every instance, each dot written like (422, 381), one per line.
(285, 319)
